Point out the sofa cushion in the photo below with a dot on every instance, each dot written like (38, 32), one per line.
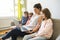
(56, 28)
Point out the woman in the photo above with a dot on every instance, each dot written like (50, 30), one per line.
(46, 29)
(31, 27)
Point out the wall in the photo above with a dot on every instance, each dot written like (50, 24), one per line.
(6, 8)
(53, 5)
(6, 21)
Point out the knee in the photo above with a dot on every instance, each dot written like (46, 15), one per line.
(30, 39)
(26, 37)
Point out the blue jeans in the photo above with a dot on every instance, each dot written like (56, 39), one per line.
(29, 37)
(14, 34)
(58, 38)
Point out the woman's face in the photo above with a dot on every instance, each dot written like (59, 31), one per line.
(36, 10)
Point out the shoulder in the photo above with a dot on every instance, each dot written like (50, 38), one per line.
(50, 21)
(23, 17)
(40, 17)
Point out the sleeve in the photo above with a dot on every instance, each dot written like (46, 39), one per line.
(48, 28)
(24, 20)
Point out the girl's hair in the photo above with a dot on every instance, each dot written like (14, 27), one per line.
(31, 13)
(38, 6)
(47, 13)
(26, 12)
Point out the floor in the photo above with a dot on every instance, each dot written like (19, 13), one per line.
(3, 32)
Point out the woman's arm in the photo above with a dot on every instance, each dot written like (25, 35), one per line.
(38, 24)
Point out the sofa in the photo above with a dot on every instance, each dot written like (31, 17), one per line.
(56, 28)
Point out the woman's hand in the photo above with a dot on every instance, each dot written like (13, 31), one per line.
(29, 31)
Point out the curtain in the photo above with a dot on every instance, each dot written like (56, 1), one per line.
(20, 6)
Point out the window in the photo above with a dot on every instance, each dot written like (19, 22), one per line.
(6, 8)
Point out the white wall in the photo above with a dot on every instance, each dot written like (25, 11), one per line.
(53, 5)
(6, 21)
(30, 4)
(6, 8)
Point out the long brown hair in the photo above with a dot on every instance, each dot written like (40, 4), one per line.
(47, 13)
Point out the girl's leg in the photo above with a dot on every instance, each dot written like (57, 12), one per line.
(38, 38)
(26, 37)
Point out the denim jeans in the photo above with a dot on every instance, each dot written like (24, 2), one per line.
(14, 34)
(29, 37)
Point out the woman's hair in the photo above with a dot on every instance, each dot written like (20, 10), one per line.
(38, 6)
(47, 13)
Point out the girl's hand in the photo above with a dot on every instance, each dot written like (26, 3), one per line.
(33, 36)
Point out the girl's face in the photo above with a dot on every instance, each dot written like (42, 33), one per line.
(43, 15)
(25, 15)
(36, 10)
(30, 15)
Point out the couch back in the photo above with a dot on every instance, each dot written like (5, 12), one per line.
(56, 28)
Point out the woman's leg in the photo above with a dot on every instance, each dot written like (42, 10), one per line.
(7, 35)
(14, 34)
(14, 38)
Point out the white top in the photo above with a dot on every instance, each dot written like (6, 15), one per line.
(32, 23)
(34, 20)
(46, 29)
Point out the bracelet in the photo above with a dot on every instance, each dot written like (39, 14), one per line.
(31, 31)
